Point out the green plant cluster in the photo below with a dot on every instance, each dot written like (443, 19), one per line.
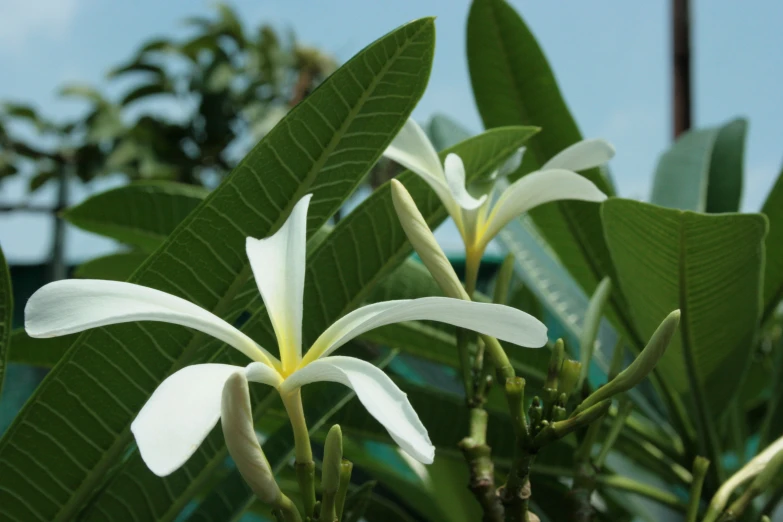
(658, 397)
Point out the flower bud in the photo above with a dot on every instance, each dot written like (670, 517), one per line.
(555, 362)
(592, 321)
(423, 241)
(640, 367)
(237, 422)
(333, 457)
(569, 376)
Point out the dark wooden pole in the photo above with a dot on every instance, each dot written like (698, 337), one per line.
(681, 66)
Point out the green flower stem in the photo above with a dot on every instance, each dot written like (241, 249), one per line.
(621, 483)
(503, 280)
(632, 486)
(305, 466)
(515, 493)
(700, 466)
(585, 472)
(618, 423)
(482, 470)
(346, 468)
(463, 344)
(472, 265)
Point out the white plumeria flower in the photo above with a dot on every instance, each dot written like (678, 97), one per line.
(477, 219)
(186, 406)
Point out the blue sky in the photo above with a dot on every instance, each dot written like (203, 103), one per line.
(610, 57)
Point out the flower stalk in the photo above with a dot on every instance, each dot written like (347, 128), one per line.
(699, 473)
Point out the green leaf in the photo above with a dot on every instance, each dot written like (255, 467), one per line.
(708, 266)
(6, 316)
(513, 85)
(142, 214)
(702, 171)
(38, 352)
(773, 269)
(82, 411)
(115, 267)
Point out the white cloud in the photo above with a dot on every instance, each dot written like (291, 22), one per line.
(24, 20)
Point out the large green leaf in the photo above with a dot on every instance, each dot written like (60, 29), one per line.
(115, 267)
(366, 245)
(37, 352)
(6, 316)
(82, 411)
(513, 85)
(702, 171)
(708, 266)
(142, 214)
(773, 270)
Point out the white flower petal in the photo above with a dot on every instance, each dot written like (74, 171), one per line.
(511, 164)
(260, 372)
(536, 189)
(70, 306)
(455, 177)
(582, 155)
(379, 395)
(179, 415)
(278, 264)
(412, 149)
(500, 321)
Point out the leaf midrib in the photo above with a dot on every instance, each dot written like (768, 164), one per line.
(707, 435)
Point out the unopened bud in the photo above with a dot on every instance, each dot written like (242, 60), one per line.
(535, 412)
(333, 457)
(423, 241)
(640, 367)
(592, 321)
(237, 421)
(555, 362)
(569, 376)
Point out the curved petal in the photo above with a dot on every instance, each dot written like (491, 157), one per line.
(70, 306)
(379, 395)
(536, 189)
(179, 415)
(500, 321)
(455, 177)
(412, 149)
(260, 372)
(278, 264)
(511, 164)
(582, 155)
